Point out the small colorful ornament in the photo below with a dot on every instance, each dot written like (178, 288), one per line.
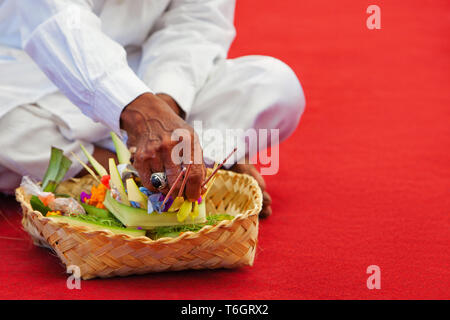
(84, 197)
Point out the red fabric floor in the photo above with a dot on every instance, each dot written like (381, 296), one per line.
(364, 180)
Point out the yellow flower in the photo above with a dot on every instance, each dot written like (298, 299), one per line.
(184, 211)
(53, 213)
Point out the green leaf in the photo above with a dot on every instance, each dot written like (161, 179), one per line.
(58, 166)
(51, 186)
(64, 167)
(62, 195)
(136, 217)
(123, 154)
(174, 231)
(53, 167)
(109, 221)
(117, 182)
(95, 164)
(97, 212)
(37, 205)
(98, 224)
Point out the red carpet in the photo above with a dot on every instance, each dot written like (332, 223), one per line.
(364, 180)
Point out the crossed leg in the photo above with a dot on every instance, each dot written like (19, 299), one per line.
(252, 92)
(249, 92)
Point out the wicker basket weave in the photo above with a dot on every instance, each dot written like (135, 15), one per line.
(229, 244)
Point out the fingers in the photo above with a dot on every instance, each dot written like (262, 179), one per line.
(172, 169)
(146, 162)
(198, 171)
(150, 158)
(194, 182)
(157, 156)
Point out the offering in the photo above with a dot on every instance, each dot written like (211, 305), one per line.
(109, 224)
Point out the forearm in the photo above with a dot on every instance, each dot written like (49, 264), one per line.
(180, 54)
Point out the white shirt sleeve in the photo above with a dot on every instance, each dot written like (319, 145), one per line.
(65, 39)
(189, 39)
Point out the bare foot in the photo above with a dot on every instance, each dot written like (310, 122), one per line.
(252, 171)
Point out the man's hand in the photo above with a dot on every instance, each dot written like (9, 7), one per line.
(149, 121)
(172, 104)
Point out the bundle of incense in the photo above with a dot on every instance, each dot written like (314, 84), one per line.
(179, 199)
(175, 184)
(218, 167)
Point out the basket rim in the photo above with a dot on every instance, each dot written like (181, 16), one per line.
(20, 197)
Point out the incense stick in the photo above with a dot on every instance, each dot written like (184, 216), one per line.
(218, 167)
(180, 193)
(173, 187)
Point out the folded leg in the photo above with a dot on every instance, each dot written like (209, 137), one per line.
(252, 92)
(26, 135)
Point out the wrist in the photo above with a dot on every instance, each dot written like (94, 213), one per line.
(172, 104)
(133, 113)
(147, 107)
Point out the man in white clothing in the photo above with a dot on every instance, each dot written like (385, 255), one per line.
(73, 70)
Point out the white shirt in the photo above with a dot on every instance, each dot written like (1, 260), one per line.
(102, 54)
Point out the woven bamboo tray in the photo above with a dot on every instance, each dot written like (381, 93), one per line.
(229, 244)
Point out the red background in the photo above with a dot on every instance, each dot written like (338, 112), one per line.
(364, 180)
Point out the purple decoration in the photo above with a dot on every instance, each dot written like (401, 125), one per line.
(84, 196)
(199, 200)
(139, 228)
(156, 199)
(149, 206)
(168, 203)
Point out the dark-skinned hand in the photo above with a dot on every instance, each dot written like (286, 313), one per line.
(149, 121)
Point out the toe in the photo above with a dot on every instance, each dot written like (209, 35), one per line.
(252, 171)
(265, 212)
(267, 199)
(267, 208)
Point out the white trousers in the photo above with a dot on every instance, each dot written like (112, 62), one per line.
(248, 92)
